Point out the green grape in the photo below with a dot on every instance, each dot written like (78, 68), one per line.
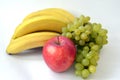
(105, 37)
(79, 58)
(77, 32)
(75, 21)
(92, 69)
(91, 44)
(85, 62)
(77, 38)
(81, 19)
(96, 57)
(88, 32)
(87, 40)
(99, 40)
(95, 47)
(105, 42)
(86, 48)
(92, 52)
(87, 19)
(96, 28)
(84, 53)
(82, 29)
(69, 35)
(72, 28)
(94, 24)
(89, 56)
(88, 27)
(81, 42)
(77, 72)
(102, 32)
(85, 73)
(94, 34)
(79, 66)
(99, 25)
(93, 61)
(83, 36)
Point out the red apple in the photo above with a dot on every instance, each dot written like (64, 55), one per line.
(59, 53)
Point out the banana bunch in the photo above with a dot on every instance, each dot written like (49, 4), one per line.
(38, 27)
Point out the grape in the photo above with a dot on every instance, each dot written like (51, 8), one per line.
(79, 58)
(77, 72)
(102, 32)
(81, 42)
(92, 69)
(79, 66)
(88, 38)
(76, 23)
(77, 32)
(96, 28)
(72, 28)
(68, 34)
(83, 36)
(87, 19)
(93, 61)
(105, 40)
(95, 47)
(91, 52)
(96, 57)
(82, 29)
(86, 48)
(84, 53)
(77, 38)
(81, 19)
(94, 34)
(89, 56)
(91, 44)
(85, 73)
(99, 40)
(87, 32)
(85, 62)
(88, 27)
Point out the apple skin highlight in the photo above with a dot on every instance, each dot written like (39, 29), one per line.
(59, 53)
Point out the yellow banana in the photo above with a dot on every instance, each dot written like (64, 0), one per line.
(42, 23)
(46, 12)
(58, 12)
(29, 41)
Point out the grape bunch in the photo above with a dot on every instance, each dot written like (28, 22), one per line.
(89, 38)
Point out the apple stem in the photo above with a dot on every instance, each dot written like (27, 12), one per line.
(58, 42)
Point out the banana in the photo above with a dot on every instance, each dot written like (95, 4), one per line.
(42, 23)
(37, 28)
(52, 11)
(46, 12)
(29, 41)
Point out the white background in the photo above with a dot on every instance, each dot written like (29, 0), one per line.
(31, 66)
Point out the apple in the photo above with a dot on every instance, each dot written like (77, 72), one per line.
(59, 53)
